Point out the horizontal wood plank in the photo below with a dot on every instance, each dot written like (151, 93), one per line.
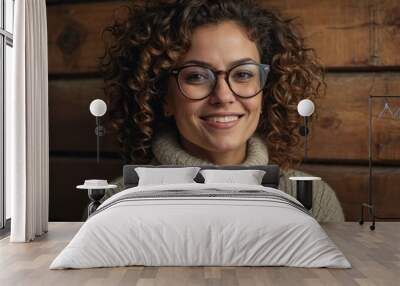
(72, 126)
(66, 202)
(74, 35)
(345, 33)
(348, 33)
(351, 186)
(349, 182)
(340, 129)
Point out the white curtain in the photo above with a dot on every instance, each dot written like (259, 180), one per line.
(27, 147)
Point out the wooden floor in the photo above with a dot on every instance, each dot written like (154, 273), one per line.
(374, 255)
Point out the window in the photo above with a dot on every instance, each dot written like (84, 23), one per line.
(6, 62)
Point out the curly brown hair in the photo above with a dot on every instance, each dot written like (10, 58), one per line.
(143, 47)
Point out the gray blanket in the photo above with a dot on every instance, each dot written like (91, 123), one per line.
(206, 194)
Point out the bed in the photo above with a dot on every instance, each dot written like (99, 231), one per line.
(201, 223)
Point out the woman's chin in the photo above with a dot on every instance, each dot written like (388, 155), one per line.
(223, 142)
(226, 146)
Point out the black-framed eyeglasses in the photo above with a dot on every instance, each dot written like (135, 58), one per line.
(197, 82)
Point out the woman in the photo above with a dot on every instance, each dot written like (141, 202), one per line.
(200, 82)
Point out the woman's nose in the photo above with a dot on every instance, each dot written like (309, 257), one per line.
(221, 93)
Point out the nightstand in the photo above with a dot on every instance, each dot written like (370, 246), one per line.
(304, 189)
(96, 191)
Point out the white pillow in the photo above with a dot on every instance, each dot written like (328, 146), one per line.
(162, 176)
(249, 177)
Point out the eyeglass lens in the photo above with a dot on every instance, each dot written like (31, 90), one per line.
(245, 80)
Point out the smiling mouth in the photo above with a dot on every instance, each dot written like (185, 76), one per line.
(221, 119)
(220, 122)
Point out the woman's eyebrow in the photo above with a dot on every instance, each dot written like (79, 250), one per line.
(241, 61)
(231, 64)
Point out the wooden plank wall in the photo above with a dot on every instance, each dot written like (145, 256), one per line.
(358, 42)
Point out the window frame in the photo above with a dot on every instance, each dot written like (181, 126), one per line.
(6, 39)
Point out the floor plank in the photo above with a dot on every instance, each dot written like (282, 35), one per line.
(374, 255)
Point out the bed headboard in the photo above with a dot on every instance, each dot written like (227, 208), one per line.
(270, 179)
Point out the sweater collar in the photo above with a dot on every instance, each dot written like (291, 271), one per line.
(168, 151)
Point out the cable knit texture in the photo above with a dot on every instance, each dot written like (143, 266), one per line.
(168, 151)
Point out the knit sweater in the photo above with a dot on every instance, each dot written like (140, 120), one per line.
(168, 151)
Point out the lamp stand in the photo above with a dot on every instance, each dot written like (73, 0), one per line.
(306, 135)
(99, 131)
(98, 138)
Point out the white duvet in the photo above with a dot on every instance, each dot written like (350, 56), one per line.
(190, 230)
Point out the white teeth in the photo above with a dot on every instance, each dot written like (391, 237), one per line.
(223, 118)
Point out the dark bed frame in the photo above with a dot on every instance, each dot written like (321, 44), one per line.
(270, 179)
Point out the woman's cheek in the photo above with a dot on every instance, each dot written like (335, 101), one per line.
(253, 107)
(187, 115)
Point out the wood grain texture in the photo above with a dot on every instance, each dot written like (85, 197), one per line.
(351, 186)
(339, 131)
(374, 255)
(66, 202)
(74, 35)
(72, 126)
(344, 33)
(349, 182)
(348, 33)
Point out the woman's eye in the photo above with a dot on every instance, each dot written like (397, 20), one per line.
(243, 75)
(196, 78)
